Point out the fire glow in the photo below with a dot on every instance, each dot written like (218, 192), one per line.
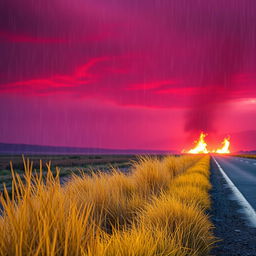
(201, 146)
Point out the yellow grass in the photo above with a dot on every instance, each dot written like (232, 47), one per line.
(158, 209)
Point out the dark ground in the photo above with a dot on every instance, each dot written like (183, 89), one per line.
(64, 160)
(67, 164)
(237, 238)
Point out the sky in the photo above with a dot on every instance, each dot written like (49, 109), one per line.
(148, 74)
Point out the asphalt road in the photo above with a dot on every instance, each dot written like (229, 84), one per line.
(242, 172)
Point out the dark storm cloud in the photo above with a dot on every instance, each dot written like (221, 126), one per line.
(161, 54)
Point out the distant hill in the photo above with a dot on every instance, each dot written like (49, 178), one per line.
(14, 149)
(253, 152)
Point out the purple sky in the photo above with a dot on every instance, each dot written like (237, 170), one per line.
(127, 74)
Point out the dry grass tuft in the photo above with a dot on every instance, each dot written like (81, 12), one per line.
(158, 209)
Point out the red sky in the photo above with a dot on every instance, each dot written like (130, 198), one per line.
(127, 74)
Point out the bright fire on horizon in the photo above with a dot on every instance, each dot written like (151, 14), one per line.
(201, 146)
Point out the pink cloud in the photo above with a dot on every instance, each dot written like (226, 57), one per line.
(26, 38)
(83, 70)
(56, 83)
(105, 78)
(152, 85)
(155, 55)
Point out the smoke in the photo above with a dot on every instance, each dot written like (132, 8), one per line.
(221, 62)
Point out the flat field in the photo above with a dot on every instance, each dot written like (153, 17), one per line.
(159, 207)
(68, 164)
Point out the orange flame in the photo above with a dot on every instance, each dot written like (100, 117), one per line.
(225, 148)
(201, 146)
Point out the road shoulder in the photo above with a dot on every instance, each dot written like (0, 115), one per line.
(237, 238)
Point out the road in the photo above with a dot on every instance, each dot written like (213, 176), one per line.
(242, 172)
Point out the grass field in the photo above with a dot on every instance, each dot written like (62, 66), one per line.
(247, 156)
(158, 208)
(68, 164)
